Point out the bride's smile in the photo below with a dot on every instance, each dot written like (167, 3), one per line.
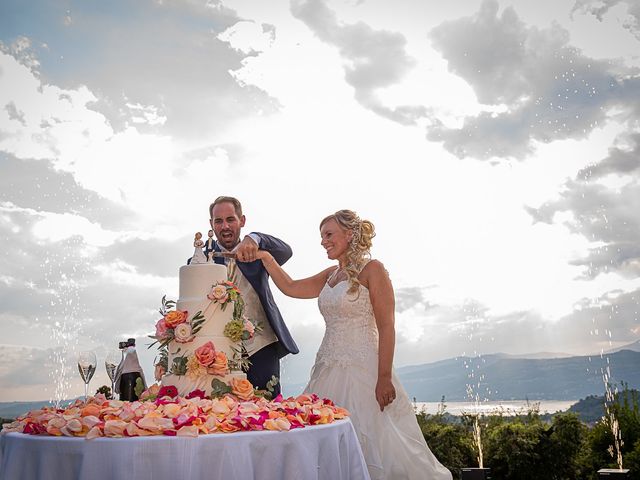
(335, 240)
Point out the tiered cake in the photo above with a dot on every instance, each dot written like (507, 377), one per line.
(203, 335)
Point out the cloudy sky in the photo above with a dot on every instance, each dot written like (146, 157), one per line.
(495, 146)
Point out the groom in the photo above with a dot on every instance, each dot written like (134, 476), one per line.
(274, 341)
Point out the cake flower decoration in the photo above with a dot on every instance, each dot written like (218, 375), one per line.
(175, 325)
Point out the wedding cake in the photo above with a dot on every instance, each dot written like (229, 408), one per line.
(202, 336)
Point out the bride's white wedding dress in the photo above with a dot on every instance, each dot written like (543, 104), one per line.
(346, 371)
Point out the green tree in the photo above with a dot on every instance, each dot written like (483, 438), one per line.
(449, 441)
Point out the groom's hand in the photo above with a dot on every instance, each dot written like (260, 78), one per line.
(246, 250)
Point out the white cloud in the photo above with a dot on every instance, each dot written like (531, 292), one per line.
(552, 91)
(248, 36)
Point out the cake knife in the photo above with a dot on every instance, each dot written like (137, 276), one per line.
(223, 254)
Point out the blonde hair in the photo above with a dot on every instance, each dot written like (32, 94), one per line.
(358, 252)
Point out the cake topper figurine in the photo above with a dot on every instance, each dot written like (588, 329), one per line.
(198, 254)
(208, 247)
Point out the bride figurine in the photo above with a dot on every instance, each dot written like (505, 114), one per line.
(198, 254)
(354, 365)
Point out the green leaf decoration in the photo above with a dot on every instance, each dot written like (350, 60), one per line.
(240, 359)
(166, 305)
(164, 359)
(179, 366)
(238, 309)
(272, 383)
(219, 388)
(196, 322)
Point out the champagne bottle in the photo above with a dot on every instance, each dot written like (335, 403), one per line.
(130, 371)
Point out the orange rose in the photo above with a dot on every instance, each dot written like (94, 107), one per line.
(206, 354)
(219, 365)
(242, 388)
(175, 318)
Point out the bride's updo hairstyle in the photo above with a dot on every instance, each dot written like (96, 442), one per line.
(359, 246)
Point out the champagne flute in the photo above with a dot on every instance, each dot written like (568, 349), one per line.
(111, 364)
(87, 367)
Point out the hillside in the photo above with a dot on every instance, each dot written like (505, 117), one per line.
(509, 377)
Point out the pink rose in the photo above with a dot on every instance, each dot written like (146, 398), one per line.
(218, 293)
(219, 365)
(182, 333)
(162, 331)
(248, 326)
(206, 354)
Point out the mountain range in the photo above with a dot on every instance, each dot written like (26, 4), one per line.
(509, 377)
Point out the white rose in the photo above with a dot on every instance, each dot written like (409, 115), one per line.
(182, 333)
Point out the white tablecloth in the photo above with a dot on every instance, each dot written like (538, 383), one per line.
(328, 452)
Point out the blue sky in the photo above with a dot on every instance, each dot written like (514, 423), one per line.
(494, 145)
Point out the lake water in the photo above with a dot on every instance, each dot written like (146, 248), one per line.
(506, 407)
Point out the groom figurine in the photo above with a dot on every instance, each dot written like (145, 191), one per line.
(208, 246)
(267, 347)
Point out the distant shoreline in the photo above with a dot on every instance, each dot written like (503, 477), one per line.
(504, 407)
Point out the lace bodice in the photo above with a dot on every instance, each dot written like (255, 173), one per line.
(351, 335)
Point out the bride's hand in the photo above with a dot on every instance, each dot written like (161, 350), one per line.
(385, 392)
(262, 255)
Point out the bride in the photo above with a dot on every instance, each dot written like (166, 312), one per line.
(354, 365)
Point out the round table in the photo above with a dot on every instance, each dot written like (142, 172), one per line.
(330, 452)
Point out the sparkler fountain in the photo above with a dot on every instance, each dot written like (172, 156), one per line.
(61, 273)
(475, 383)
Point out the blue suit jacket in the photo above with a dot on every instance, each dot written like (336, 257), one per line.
(257, 276)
